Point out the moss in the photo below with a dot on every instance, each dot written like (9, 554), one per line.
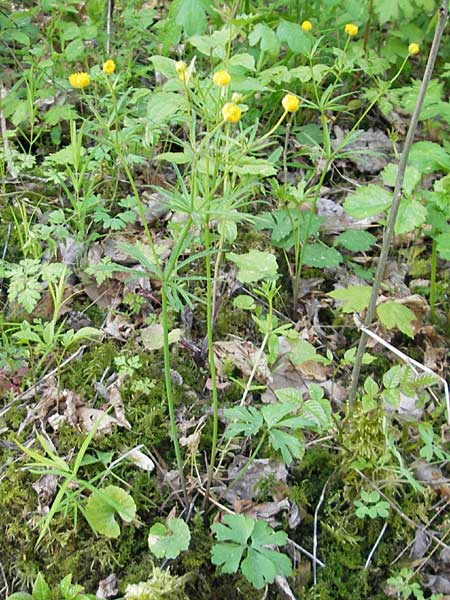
(160, 586)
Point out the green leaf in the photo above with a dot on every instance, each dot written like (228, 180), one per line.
(289, 445)
(261, 564)
(393, 377)
(164, 65)
(429, 157)
(315, 414)
(249, 165)
(443, 245)
(266, 37)
(411, 179)
(244, 302)
(163, 105)
(302, 351)
(297, 40)
(245, 61)
(288, 394)
(411, 214)
(321, 256)
(393, 314)
(367, 201)
(102, 507)
(153, 336)
(41, 589)
(213, 44)
(355, 297)
(20, 596)
(355, 240)
(69, 590)
(228, 556)
(74, 50)
(255, 265)
(171, 541)
(190, 15)
(241, 420)
(274, 413)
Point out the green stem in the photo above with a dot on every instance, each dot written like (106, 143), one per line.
(250, 460)
(212, 366)
(433, 281)
(169, 390)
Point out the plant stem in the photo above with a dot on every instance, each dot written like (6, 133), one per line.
(212, 366)
(433, 281)
(250, 460)
(169, 390)
(389, 231)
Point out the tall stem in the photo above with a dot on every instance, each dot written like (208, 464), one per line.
(212, 366)
(389, 231)
(169, 389)
(433, 281)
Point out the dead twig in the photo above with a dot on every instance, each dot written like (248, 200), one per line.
(375, 546)
(389, 231)
(315, 540)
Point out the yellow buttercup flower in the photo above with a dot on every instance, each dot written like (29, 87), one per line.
(231, 112)
(180, 68)
(306, 26)
(109, 67)
(79, 80)
(290, 103)
(351, 29)
(413, 49)
(221, 78)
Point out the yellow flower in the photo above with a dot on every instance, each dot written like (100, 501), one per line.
(306, 26)
(413, 49)
(222, 78)
(290, 103)
(79, 80)
(109, 67)
(180, 68)
(231, 112)
(351, 29)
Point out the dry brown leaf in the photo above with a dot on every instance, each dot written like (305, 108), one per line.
(242, 354)
(107, 588)
(65, 406)
(246, 486)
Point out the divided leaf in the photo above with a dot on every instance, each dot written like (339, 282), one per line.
(393, 314)
(244, 538)
(241, 420)
(355, 297)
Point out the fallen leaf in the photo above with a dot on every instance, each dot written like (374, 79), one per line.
(242, 354)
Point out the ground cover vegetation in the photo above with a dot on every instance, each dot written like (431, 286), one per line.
(225, 239)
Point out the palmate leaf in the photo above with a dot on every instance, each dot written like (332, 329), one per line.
(242, 536)
(241, 420)
(355, 297)
(290, 446)
(394, 314)
(228, 556)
